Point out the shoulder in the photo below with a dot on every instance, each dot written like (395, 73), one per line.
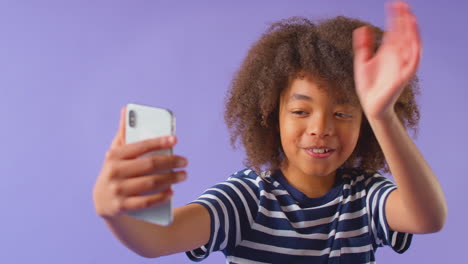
(245, 177)
(244, 174)
(239, 186)
(366, 178)
(231, 205)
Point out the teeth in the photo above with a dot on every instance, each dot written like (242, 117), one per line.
(315, 150)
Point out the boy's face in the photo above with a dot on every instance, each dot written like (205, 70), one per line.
(317, 134)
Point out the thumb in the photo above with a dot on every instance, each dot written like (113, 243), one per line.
(363, 43)
(119, 138)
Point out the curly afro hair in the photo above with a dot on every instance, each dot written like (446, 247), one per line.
(287, 50)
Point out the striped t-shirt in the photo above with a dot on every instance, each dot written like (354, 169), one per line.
(263, 219)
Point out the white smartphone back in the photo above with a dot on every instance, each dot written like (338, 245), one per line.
(145, 122)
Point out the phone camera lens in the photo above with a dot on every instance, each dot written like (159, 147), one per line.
(132, 118)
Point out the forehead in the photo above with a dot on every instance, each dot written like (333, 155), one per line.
(311, 89)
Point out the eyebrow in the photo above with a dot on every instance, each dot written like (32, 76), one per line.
(300, 97)
(342, 101)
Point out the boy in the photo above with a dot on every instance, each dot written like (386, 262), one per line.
(323, 114)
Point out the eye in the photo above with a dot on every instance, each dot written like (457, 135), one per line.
(299, 113)
(343, 115)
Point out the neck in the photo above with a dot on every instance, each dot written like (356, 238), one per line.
(312, 186)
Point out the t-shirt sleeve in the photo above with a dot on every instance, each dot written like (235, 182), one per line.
(378, 189)
(229, 204)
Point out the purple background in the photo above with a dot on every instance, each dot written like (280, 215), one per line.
(67, 67)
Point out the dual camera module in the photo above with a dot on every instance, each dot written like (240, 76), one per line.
(132, 118)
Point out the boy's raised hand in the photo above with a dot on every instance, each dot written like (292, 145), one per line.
(124, 178)
(380, 78)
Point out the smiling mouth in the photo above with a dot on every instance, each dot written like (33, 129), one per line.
(320, 150)
(320, 153)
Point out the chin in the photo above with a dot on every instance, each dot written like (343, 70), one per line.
(317, 172)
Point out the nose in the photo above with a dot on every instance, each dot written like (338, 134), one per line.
(321, 126)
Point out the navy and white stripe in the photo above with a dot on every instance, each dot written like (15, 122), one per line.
(263, 219)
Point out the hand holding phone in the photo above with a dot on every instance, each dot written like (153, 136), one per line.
(146, 122)
(135, 181)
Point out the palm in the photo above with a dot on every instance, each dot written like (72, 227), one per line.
(381, 78)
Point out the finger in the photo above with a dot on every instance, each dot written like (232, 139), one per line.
(389, 20)
(399, 35)
(411, 66)
(405, 38)
(363, 43)
(414, 28)
(394, 23)
(149, 183)
(142, 202)
(149, 164)
(401, 11)
(411, 31)
(413, 45)
(414, 36)
(119, 138)
(134, 150)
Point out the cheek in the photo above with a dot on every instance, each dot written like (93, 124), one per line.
(352, 137)
(290, 130)
(349, 137)
(290, 134)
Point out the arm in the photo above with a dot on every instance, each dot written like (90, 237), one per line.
(124, 177)
(418, 205)
(190, 229)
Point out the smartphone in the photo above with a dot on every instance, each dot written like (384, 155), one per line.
(145, 122)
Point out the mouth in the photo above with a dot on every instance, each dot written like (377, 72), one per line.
(319, 152)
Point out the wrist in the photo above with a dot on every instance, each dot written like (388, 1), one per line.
(384, 120)
(386, 116)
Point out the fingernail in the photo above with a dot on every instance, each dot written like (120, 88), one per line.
(180, 175)
(171, 139)
(181, 163)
